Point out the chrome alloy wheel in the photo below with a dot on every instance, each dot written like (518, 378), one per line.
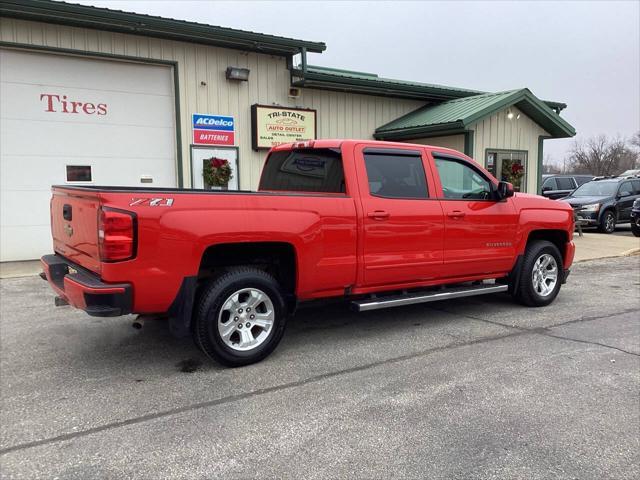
(609, 222)
(246, 319)
(545, 274)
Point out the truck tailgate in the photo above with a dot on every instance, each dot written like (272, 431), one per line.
(74, 226)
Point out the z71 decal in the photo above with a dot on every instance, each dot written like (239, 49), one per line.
(151, 202)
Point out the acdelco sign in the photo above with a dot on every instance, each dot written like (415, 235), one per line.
(213, 129)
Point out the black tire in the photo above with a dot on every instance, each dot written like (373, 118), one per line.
(607, 222)
(210, 304)
(635, 228)
(526, 292)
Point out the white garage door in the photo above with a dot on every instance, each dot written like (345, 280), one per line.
(76, 120)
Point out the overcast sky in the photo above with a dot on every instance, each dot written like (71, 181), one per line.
(585, 54)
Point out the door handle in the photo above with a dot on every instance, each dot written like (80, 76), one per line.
(456, 214)
(378, 215)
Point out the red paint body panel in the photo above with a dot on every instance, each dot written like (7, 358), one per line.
(338, 245)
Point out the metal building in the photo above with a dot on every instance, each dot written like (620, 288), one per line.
(92, 95)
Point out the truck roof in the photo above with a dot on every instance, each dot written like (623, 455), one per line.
(338, 143)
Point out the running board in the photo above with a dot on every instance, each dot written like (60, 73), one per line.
(421, 297)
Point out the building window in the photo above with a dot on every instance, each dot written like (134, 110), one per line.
(78, 173)
(509, 166)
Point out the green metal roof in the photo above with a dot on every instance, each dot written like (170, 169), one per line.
(455, 116)
(370, 83)
(140, 24)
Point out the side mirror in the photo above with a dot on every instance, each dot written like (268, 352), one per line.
(546, 189)
(505, 190)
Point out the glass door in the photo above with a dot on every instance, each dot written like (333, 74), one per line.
(509, 166)
(212, 163)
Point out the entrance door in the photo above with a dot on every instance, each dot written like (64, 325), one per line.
(202, 155)
(479, 231)
(402, 226)
(509, 166)
(77, 120)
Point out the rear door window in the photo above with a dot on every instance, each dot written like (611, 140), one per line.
(395, 175)
(565, 183)
(309, 170)
(583, 180)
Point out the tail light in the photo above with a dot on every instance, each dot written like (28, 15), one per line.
(116, 235)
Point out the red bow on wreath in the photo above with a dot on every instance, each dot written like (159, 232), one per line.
(217, 171)
(218, 162)
(516, 168)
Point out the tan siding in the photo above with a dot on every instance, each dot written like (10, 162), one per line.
(340, 115)
(450, 141)
(498, 132)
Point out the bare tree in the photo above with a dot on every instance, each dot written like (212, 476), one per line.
(635, 140)
(602, 155)
(550, 168)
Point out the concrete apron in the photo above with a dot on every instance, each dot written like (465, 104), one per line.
(599, 245)
(588, 247)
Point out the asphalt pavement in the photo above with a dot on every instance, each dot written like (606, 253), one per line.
(469, 388)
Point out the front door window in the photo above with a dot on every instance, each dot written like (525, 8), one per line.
(509, 166)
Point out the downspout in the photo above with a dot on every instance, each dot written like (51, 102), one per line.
(303, 54)
(468, 143)
(292, 67)
(541, 140)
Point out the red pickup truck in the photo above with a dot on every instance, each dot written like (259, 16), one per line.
(381, 224)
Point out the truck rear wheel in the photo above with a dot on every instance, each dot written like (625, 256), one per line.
(240, 317)
(540, 275)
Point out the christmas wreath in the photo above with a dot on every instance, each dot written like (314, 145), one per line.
(217, 172)
(512, 172)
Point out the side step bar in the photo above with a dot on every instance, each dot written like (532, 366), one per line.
(421, 297)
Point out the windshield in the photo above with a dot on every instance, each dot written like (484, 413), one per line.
(596, 189)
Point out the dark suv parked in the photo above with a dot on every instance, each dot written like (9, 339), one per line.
(558, 186)
(635, 217)
(604, 202)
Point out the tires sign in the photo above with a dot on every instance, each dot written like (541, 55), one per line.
(213, 129)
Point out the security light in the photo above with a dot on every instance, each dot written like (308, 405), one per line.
(509, 114)
(237, 73)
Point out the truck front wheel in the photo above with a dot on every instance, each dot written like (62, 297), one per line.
(540, 275)
(607, 222)
(240, 317)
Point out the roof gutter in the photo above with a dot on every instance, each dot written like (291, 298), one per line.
(379, 87)
(152, 26)
(451, 128)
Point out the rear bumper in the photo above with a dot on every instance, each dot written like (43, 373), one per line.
(84, 289)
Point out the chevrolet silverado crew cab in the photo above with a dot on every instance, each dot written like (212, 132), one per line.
(380, 224)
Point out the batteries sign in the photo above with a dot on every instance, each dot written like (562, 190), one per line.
(213, 129)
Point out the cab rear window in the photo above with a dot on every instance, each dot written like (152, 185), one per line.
(308, 170)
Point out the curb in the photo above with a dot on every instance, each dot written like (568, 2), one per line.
(627, 253)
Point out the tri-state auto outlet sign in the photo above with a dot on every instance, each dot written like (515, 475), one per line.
(272, 125)
(213, 129)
